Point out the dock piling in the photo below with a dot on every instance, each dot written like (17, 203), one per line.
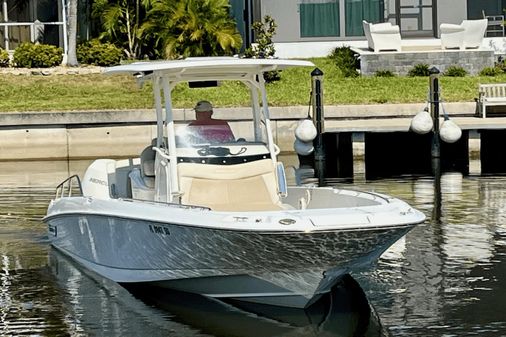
(317, 99)
(434, 111)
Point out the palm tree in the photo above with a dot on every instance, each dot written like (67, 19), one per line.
(185, 28)
(72, 34)
(122, 20)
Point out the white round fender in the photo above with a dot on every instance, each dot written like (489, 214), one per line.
(305, 131)
(450, 132)
(422, 122)
(303, 148)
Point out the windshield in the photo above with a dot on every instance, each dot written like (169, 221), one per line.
(221, 128)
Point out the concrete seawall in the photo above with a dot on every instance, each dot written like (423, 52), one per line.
(92, 134)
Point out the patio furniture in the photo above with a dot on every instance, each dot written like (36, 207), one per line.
(469, 34)
(491, 94)
(382, 36)
(452, 36)
(495, 25)
(474, 32)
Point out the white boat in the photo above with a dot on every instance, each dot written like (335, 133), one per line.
(218, 218)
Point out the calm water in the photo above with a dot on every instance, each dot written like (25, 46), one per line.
(447, 277)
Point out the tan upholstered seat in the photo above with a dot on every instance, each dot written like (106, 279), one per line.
(241, 187)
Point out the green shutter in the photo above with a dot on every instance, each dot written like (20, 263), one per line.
(319, 19)
(358, 10)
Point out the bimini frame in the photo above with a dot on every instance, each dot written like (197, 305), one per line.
(165, 75)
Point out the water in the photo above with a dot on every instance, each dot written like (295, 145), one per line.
(447, 277)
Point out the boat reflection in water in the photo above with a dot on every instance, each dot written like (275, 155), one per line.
(153, 311)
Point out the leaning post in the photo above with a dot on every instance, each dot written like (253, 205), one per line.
(317, 99)
(434, 111)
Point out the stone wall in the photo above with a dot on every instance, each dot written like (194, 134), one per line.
(473, 61)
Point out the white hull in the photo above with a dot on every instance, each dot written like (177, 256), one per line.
(249, 237)
(220, 254)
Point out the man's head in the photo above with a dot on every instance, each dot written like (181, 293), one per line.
(203, 110)
(203, 106)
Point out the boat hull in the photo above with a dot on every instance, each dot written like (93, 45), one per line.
(274, 267)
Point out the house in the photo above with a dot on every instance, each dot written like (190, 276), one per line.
(38, 21)
(323, 23)
(326, 23)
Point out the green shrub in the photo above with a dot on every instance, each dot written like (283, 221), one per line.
(420, 69)
(29, 55)
(501, 65)
(4, 58)
(264, 32)
(346, 60)
(455, 71)
(98, 53)
(491, 71)
(384, 73)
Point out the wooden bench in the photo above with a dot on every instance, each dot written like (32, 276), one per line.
(491, 95)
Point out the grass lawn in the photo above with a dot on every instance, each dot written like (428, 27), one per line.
(99, 92)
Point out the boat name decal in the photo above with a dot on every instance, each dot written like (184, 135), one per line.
(98, 181)
(53, 230)
(159, 230)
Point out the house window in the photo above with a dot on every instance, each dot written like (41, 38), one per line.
(319, 18)
(358, 10)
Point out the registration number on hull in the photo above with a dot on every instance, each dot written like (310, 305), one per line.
(52, 230)
(160, 230)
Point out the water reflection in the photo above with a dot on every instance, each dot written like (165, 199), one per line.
(63, 299)
(446, 277)
(343, 312)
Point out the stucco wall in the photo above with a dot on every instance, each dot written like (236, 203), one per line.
(286, 14)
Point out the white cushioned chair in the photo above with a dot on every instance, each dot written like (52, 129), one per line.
(469, 34)
(474, 32)
(452, 36)
(382, 36)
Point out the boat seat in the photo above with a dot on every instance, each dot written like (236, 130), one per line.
(148, 166)
(241, 187)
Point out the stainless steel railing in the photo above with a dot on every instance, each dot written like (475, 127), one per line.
(66, 187)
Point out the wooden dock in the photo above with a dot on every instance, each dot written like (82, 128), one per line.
(402, 124)
(389, 148)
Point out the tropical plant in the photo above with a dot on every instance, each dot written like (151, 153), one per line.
(122, 20)
(455, 71)
(491, 71)
(346, 61)
(384, 73)
(264, 32)
(4, 58)
(420, 69)
(98, 53)
(501, 64)
(264, 46)
(72, 34)
(186, 28)
(29, 55)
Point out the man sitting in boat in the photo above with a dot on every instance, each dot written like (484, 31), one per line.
(208, 130)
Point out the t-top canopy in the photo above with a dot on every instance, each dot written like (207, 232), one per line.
(202, 68)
